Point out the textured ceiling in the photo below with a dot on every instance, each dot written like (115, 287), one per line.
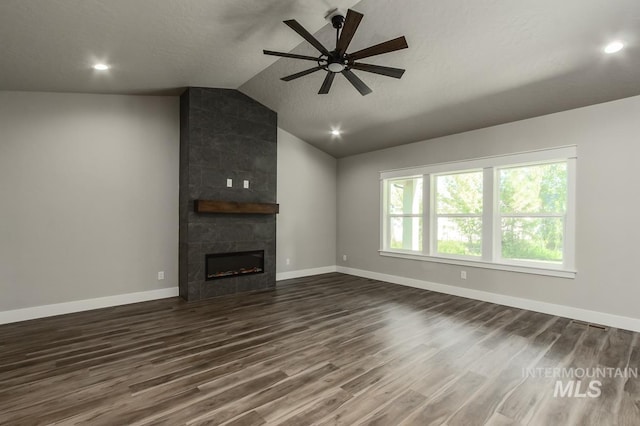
(154, 46)
(470, 64)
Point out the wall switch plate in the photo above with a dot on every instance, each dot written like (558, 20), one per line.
(161, 275)
(463, 275)
(344, 257)
(288, 261)
(246, 184)
(229, 183)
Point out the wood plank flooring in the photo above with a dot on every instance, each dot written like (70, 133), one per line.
(327, 350)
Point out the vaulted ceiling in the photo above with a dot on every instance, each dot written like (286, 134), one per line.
(470, 64)
(153, 46)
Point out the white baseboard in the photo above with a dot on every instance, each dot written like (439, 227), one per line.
(305, 272)
(25, 314)
(85, 305)
(595, 317)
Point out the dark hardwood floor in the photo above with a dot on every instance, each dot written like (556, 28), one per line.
(330, 349)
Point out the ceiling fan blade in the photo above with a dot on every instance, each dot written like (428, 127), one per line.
(379, 49)
(349, 28)
(289, 55)
(357, 83)
(295, 26)
(301, 74)
(378, 69)
(326, 84)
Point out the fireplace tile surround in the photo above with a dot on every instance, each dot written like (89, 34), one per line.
(224, 134)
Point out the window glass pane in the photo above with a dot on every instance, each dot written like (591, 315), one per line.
(532, 238)
(534, 189)
(459, 193)
(405, 196)
(405, 233)
(460, 235)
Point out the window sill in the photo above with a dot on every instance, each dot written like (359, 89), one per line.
(561, 273)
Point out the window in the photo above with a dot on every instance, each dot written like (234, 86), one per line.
(532, 212)
(405, 213)
(458, 213)
(513, 212)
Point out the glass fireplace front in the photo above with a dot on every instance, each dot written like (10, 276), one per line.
(227, 265)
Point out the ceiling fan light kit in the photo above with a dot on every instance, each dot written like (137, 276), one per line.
(338, 61)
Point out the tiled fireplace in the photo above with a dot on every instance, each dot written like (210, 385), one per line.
(226, 135)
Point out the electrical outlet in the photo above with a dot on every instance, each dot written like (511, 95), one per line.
(288, 261)
(344, 257)
(246, 184)
(463, 275)
(229, 183)
(161, 275)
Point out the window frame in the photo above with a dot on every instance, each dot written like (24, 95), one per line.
(491, 256)
(389, 216)
(499, 216)
(433, 243)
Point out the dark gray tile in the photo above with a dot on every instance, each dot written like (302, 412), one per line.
(225, 134)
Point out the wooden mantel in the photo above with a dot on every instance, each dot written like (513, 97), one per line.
(213, 206)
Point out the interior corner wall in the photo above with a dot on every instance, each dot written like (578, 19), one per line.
(608, 202)
(88, 196)
(306, 225)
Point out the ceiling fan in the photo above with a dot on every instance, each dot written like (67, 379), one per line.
(338, 60)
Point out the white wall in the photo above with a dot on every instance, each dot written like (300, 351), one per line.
(88, 196)
(608, 206)
(306, 225)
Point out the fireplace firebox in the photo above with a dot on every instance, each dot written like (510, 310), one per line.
(227, 265)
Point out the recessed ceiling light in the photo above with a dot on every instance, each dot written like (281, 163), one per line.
(101, 67)
(336, 132)
(613, 47)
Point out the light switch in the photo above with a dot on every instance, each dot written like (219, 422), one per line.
(246, 184)
(229, 183)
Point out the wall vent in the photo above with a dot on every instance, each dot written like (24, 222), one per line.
(589, 325)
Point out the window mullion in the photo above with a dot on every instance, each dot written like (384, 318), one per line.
(496, 219)
(426, 214)
(487, 213)
(433, 220)
(534, 215)
(570, 215)
(384, 217)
